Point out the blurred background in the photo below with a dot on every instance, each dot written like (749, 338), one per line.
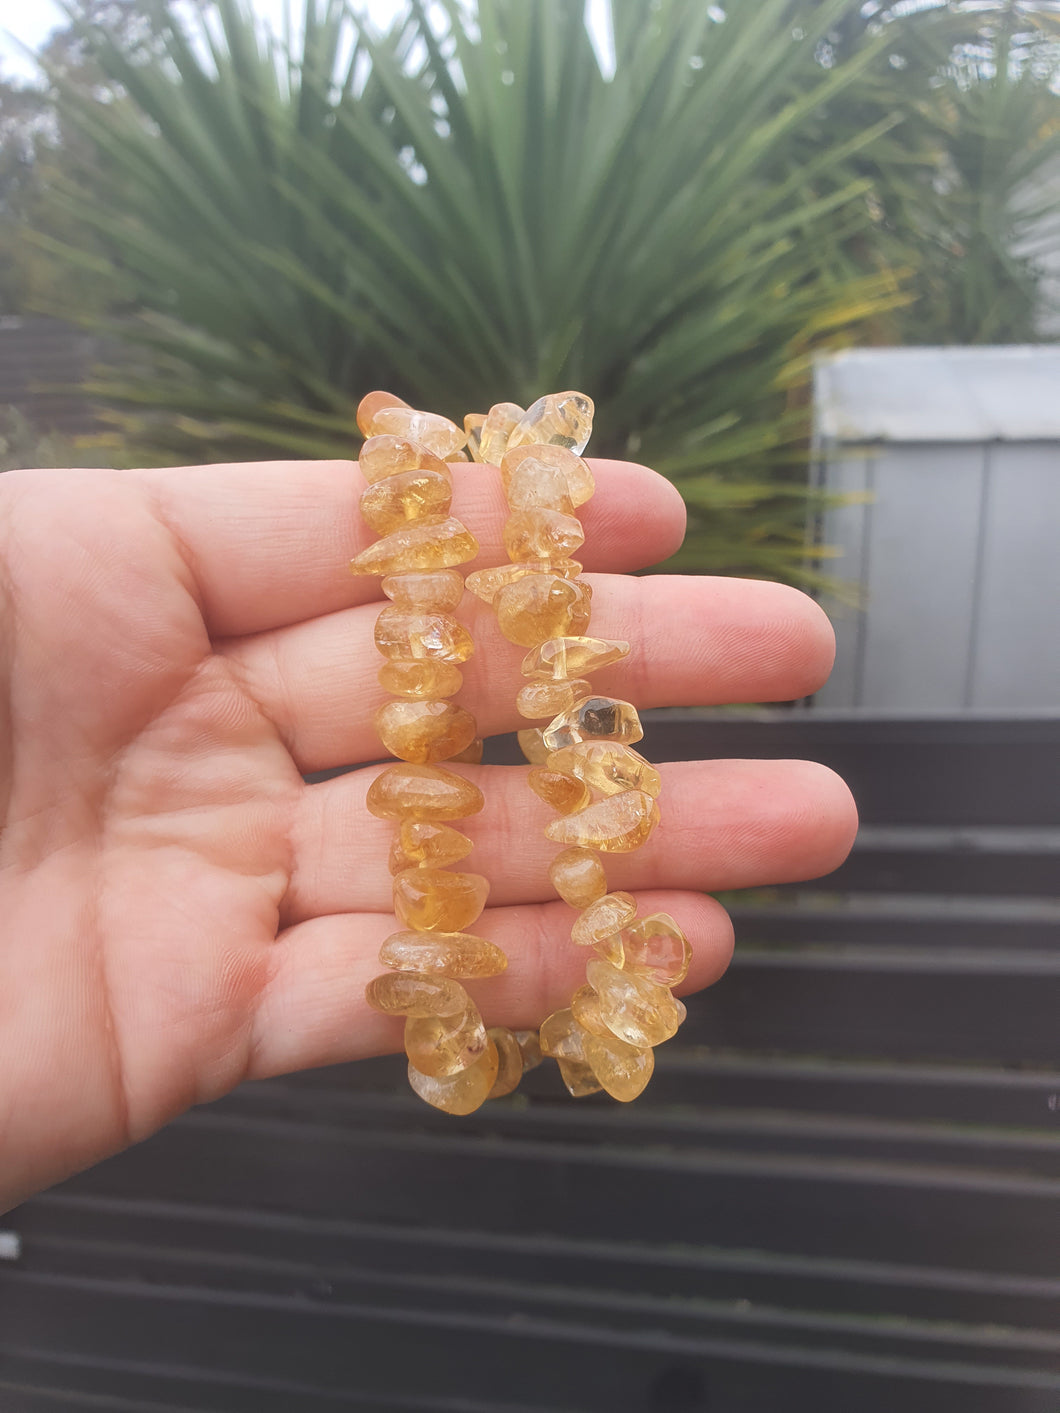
(805, 256)
(248, 217)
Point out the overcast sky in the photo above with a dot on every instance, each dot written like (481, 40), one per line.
(30, 21)
(35, 19)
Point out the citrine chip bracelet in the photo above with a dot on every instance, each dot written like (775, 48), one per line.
(582, 759)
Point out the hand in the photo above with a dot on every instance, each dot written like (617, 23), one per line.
(180, 912)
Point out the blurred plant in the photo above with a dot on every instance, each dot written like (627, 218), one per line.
(467, 208)
(967, 188)
(474, 212)
(24, 445)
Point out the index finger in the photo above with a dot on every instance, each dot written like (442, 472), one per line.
(269, 542)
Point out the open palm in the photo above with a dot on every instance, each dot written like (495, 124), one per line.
(179, 910)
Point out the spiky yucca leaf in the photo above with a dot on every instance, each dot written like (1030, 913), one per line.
(475, 212)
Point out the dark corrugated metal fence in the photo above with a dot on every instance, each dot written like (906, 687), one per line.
(841, 1192)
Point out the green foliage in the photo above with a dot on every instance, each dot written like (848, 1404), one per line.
(475, 211)
(22, 445)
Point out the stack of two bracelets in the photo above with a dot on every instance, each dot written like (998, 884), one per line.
(582, 762)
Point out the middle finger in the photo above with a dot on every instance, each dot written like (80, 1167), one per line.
(694, 641)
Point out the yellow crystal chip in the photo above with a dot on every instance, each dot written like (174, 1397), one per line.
(562, 658)
(421, 680)
(510, 1062)
(585, 1007)
(563, 792)
(652, 946)
(422, 792)
(380, 457)
(426, 588)
(623, 1070)
(616, 825)
(541, 534)
(445, 1045)
(473, 422)
(461, 1093)
(541, 606)
(486, 584)
(500, 421)
(527, 462)
(456, 954)
(538, 699)
(578, 877)
(530, 1045)
(606, 915)
(436, 433)
(408, 634)
(405, 498)
(425, 544)
(425, 731)
(531, 484)
(372, 403)
(637, 1010)
(560, 419)
(607, 766)
(421, 842)
(563, 1039)
(594, 718)
(436, 900)
(404, 993)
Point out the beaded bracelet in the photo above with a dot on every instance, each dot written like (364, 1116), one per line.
(585, 766)
(454, 1062)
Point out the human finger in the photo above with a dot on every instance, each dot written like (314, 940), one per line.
(724, 824)
(313, 1011)
(269, 543)
(694, 640)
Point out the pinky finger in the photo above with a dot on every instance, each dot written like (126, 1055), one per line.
(313, 1010)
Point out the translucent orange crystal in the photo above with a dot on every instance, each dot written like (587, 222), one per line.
(429, 429)
(426, 544)
(622, 1070)
(409, 496)
(562, 792)
(532, 746)
(405, 634)
(423, 792)
(444, 1045)
(496, 428)
(424, 731)
(541, 606)
(653, 946)
(461, 1093)
(607, 766)
(616, 825)
(561, 419)
(436, 900)
(607, 914)
(522, 465)
(539, 699)
(595, 718)
(510, 1062)
(542, 534)
(424, 679)
(414, 994)
(635, 1009)
(425, 589)
(578, 877)
(563, 658)
(420, 842)
(388, 456)
(456, 954)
